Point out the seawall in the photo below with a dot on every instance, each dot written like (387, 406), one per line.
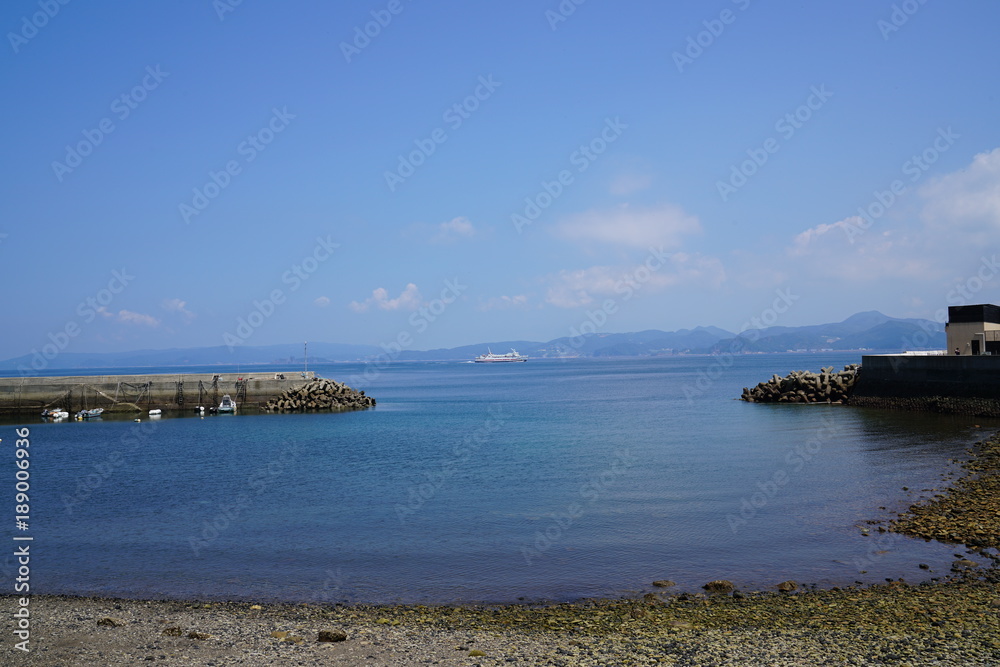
(140, 393)
(948, 384)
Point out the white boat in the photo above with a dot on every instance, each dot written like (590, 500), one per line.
(89, 414)
(489, 357)
(55, 413)
(227, 404)
(155, 412)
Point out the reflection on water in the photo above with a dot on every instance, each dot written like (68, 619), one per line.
(553, 480)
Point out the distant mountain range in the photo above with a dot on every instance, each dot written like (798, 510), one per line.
(864, 331)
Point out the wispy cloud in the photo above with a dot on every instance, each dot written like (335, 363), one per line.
(663, 225)
(504, 302)
(409, 299)
(139, 319)
(179, 307)
(939, 230)
(322, 302)
(824, 252)
(455, 229)
(582, 287)
(966, 201)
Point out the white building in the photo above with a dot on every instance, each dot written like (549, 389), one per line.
(973, 330)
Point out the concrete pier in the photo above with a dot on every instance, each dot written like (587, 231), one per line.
(141, 393)
(901, 375)
(952, 384)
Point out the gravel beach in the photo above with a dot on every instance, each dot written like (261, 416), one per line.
(952, 621)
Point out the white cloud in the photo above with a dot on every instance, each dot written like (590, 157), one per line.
(504, 302)
(322, 302)
(179, 307)
(955, 216)
(409, 299)
(878, 252)
(663, 225)
(129, 317)
(572, 289)
(454, 230)
(843, 230)
(966, 201)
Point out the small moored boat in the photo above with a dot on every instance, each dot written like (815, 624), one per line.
(89, 414)
(155, 412)
(227, 404)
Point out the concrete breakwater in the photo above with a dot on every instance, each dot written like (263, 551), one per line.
(168, 392)
(948, 384)
(924, 383)
(805, 387)
(319, 394)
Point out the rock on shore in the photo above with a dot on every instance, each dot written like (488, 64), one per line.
(320, 394)
(888, 624)
(805, 387)
(966, 513)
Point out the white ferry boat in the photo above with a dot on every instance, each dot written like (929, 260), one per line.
(489, 357)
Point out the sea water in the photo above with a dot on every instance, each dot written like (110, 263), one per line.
(545, 480)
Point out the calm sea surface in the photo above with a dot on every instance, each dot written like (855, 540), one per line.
(469, 482)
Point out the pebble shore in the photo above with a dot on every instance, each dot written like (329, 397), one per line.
(952, 621)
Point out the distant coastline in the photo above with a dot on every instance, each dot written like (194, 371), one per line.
(870, 332)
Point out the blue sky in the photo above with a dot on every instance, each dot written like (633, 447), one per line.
(200, 173)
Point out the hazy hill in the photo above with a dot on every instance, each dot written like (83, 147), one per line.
(864, 331)
(869, 330)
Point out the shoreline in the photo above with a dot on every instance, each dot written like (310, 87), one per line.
(955, 621)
